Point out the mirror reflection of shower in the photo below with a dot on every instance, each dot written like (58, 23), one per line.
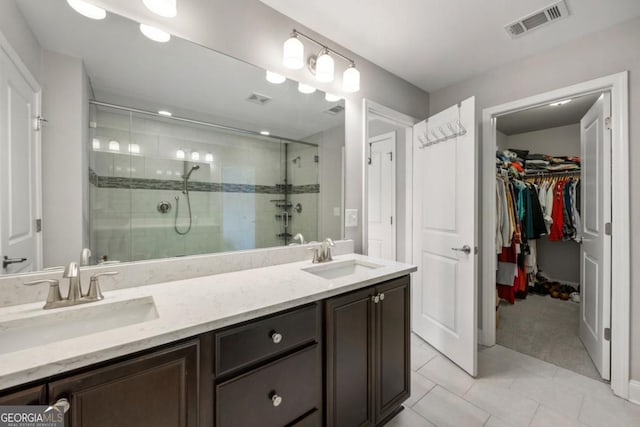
(185, 190)
(297, 161)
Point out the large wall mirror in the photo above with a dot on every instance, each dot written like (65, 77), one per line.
(154, 150)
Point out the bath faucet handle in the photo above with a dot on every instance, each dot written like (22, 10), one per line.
(94, 286)
(54, 290)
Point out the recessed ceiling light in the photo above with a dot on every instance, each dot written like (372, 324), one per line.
(275, 78)
(166, 8)
(555, 104)
(304, 88)
(87, 9)
(265, 132)
(331, 97)
(155, 34)
(165, 113)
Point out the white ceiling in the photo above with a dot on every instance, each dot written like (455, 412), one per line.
(546, 116)
(435, 43)
(192, 81)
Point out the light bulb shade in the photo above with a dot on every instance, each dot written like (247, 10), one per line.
(208, 157)
(324, 67)
(306, 88)
(293, 56)
(351, 80)
(114, 145)
(180, 154)
(329, 97)
(195, 156)
(275, 78)
(154, 33)
(134, 148)
(166, 8)
(87, 9)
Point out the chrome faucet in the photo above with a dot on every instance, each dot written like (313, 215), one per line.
(85, 256)
(322, 253)
(299, 237)
(75, 295)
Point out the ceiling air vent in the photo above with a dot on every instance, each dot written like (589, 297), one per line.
(336, 109)
(549, 14)
(258, 98)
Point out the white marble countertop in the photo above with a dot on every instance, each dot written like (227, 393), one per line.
(185, 308)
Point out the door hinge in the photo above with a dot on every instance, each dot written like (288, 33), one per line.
(607, 123)
(38, 225)
(607, 334)
(391, 220)
(37, 123)
(390, 156)
(607, 229)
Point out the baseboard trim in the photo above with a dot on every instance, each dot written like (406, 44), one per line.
(634, 391)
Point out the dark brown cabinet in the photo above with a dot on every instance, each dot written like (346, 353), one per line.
(31, 396)
(154, 390)
(367, 354)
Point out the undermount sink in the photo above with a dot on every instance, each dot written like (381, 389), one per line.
(338, 269)
(51, 326)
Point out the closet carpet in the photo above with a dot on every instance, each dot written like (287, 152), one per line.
(547, 329)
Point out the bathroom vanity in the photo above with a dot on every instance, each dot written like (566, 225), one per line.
(294, 344)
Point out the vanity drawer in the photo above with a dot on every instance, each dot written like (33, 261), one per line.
(242, 346)
(248, 400)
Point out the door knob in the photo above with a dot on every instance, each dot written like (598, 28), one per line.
(466, 249)
(276, 338)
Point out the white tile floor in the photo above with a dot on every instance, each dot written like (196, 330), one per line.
(512, 389)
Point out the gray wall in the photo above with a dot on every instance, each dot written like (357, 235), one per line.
(14, 28)
(65, 105)
(251, 31)
(610, 51)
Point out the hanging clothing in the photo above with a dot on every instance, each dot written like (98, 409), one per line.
(557, 212)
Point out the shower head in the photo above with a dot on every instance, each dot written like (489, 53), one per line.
(193, 168)
(296, 159)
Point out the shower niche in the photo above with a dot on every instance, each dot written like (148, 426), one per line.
(162, 187)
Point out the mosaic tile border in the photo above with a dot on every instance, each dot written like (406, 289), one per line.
(212, 187)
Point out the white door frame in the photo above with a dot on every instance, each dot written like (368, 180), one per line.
(617, 84)
(37, 89)
(373, 110)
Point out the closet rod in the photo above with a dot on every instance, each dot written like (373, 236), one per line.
(552, 173)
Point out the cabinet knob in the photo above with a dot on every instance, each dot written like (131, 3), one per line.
(375, 299)
(276, 338)
(382, 296)
(276, 400)
(63, 404)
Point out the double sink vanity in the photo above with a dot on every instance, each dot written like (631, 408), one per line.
(296, 343)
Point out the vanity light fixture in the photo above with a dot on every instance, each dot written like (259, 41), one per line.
(555, 104)
(265, 132)
(329, 97)
(321, 65)
(154, 33)
(87, 9)
(165, 8)
(208, 157)
(180, 154)
(165, 113)
(275, 78)
(195, 156)
(134, 148)
(114, 145)
(96, 144)
(304, 88)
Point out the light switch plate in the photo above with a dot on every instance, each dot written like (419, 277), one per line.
(351, 218)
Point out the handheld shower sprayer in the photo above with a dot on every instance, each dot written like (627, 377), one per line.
(185, 191)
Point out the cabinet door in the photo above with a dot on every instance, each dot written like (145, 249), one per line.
(392, 363)
(154, 390)
(30, 396)
(349, 358)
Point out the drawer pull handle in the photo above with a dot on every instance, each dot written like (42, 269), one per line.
(276, 338)
(276, 400)
(375, 299)
(382, 296)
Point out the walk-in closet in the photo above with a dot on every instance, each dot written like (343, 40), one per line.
(550, 187)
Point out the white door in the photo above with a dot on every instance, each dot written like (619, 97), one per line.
(595, 275)
(445, 221)
(381, 200)
(19, 187)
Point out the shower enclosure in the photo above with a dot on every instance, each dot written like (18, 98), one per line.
(165, 187)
